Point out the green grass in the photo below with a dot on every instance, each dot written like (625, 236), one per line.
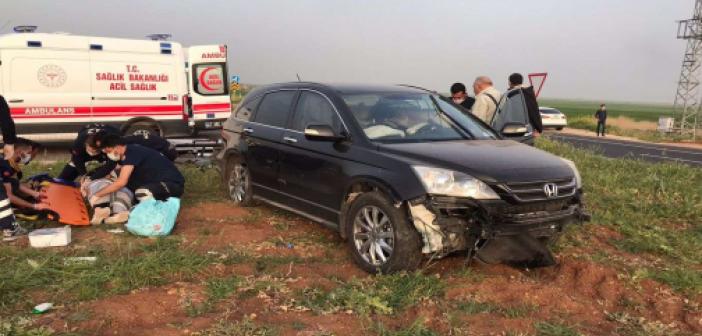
(130, 266)
(383, 294)
(22, 327)
(581, 116)
(415, 329)
(217, 289)
(586, 109)
(245, 327)
(655, 207)
(473, 307)
(587, 123)
(554, 329)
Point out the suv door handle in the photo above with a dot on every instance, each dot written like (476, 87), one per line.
(16, 101)
(290, 140)
(248, 130)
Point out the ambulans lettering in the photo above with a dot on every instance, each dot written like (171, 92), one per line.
(211, 55)
(49, 110)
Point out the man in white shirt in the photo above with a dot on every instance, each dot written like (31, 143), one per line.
(486, 99)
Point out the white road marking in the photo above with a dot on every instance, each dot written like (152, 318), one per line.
(629, 145)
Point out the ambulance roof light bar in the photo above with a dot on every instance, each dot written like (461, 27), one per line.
(159, 37)
(25, 29)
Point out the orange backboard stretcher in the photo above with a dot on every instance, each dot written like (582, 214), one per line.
(68, 203)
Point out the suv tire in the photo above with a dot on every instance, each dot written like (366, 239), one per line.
(238, 184)
(377, 230)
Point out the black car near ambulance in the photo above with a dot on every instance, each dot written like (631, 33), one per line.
(401, 172)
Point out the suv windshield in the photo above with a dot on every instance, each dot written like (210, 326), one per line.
(411, 117)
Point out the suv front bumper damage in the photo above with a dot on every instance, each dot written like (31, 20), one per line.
(495, 231)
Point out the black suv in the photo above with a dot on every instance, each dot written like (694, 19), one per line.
(400, 172)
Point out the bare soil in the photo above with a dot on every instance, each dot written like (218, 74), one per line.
(592, 296)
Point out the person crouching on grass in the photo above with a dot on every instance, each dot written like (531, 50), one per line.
(144, 171)
(23, 198)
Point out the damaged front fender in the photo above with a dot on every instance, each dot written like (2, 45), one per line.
(494, 231)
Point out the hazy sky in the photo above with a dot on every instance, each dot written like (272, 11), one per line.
(592, 49)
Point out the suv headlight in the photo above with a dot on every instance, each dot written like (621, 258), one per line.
(578, 179)
(446, 182)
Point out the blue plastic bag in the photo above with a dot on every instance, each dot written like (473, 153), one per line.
(152, 218)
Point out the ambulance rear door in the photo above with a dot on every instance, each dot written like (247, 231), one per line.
(209, 92)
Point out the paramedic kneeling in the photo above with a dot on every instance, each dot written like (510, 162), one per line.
(143, 170)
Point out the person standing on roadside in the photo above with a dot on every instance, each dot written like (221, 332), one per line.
(460, 97)
(8, 224)
(601, 116)
(486, 99)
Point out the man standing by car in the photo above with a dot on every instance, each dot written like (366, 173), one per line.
(460, 97)
(486, 99)
(516, 82)
(601, 116)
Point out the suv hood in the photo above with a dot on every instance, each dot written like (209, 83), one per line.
(491, 161)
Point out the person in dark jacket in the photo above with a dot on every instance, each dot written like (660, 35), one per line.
(143, 170)
(601, 116)
(460, 97)
(80, 154)
(94, 141)
(516, 81)
(8, 224)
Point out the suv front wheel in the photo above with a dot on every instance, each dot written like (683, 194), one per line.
(381, 238)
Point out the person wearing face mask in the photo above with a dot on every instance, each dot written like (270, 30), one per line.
(20, 195)
(460, 97)
(82, 154)
(155, 142)
(143, 170)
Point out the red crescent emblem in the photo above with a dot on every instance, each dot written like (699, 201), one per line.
(202, 79)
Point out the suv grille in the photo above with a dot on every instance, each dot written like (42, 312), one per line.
(534, 191)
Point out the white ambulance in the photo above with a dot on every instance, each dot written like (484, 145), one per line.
(56, 83)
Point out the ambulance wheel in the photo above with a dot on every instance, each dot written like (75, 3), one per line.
(143, 128)
(239, 184)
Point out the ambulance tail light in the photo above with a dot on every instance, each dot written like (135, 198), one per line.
(186, 108)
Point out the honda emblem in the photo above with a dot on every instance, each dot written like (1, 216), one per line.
(551, 190)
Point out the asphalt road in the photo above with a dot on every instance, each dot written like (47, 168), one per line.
(620, 148)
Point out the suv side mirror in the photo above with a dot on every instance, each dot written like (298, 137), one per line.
(514, 130)
(322, 133)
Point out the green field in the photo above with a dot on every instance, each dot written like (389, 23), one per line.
(586, 109)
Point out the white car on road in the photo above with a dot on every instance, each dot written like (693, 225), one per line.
(552, 118)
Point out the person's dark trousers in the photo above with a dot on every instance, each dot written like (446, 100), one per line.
(7, 217)
(69, 173)
(600, 128)
(160, 191)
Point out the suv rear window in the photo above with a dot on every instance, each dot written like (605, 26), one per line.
(246, 111)
(275, 108)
